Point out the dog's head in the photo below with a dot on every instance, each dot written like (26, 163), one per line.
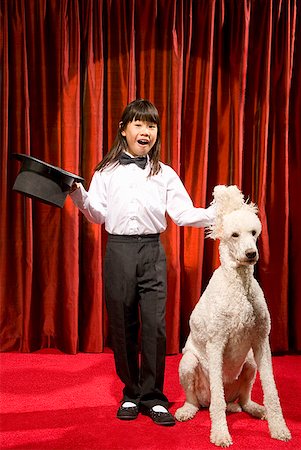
(237, 226)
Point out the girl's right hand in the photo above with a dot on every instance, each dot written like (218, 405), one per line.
(74, 187)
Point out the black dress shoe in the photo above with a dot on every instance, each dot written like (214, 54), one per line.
(160, 418)
(127, 413)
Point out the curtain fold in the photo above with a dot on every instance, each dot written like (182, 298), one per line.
(225, 76)
(294, 305)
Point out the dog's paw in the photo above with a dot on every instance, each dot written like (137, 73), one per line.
(186, 412)
(233, 407)
(282, 434)
(255, 410)
(221, 438)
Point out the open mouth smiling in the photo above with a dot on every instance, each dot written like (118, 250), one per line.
(143, 142)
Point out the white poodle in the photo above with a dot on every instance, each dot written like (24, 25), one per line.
(229, 329)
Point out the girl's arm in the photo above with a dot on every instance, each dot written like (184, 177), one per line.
(180, 207)
(92, 204)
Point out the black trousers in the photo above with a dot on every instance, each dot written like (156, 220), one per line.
(135, 290)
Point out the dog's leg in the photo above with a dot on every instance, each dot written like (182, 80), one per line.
(187, 368)
(219, 434)
(233, 407)
(276, 422)
(246, 379)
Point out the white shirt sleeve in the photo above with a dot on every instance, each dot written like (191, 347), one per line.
(180, 207)
(128, 202)
(93, 204)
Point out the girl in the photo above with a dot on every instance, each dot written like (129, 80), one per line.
(130, 192)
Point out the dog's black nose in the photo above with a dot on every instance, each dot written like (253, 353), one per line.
(250, 255)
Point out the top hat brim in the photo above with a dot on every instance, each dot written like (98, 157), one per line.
(40, 180)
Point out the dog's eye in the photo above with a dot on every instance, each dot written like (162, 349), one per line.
(253, 232)
(235, 235)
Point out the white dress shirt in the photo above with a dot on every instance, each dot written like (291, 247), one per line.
(128, 201)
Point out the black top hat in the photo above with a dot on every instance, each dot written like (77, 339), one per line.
(43, 181)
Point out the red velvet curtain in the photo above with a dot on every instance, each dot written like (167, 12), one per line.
(225, 76)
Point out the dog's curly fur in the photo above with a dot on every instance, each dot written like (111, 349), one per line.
(229, 329)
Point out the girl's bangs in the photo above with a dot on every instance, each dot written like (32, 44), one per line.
(146, 116)
(142, 110)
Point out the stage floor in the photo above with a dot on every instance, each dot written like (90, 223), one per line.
(50, 400)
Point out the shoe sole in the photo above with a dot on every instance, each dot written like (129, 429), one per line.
(127, 418)
(164, 424)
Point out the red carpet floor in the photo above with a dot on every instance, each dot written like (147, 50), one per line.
(50, 400)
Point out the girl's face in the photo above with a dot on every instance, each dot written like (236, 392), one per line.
(140, 136)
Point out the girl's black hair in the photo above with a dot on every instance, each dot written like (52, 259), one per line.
(145, 111)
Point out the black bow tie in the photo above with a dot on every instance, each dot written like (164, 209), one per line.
(125, 159)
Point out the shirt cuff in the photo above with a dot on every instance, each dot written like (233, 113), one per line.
(211, 214)
(78, 195)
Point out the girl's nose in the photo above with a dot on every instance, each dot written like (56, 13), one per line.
(145, 130)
